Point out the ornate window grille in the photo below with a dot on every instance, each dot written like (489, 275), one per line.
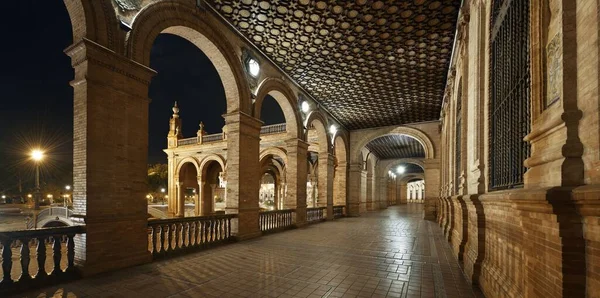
(458, 142)
(509, 93)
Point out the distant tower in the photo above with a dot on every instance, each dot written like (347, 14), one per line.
(175, 132)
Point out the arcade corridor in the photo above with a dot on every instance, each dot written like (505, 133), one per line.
(388, 253)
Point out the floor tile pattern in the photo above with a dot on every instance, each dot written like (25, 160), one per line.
(389, 253)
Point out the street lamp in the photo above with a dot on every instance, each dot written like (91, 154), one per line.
(162, 190)
(37, 156)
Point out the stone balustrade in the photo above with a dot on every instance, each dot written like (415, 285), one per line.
(316, 214)
(276, 220)
(339, 211)
(272, 129)
(171, 236)
(53, 251)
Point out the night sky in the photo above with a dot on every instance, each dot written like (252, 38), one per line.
(37, 100)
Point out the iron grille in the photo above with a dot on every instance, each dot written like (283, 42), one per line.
(509, 93)
(458, 142)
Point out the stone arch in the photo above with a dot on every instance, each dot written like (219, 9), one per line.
(396, 162)
(182, 19)
(280, 152)
(206, 203)
(320, 123)
(340, 176)
(417, 134)
(95, 20)
(209, 158)
(287, 101)
(188, 159)
(408, 177)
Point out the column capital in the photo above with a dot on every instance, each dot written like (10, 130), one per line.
(296, 142)
(355, 167)
(98, 55)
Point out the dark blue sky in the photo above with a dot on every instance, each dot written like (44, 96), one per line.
(37, 100)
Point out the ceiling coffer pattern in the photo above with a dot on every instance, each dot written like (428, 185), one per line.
(370, 63)
(396, 146)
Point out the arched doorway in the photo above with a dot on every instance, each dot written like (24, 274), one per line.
(187, 190)
(274, 184)
(213, 189)
(340, 173)
(319, 146)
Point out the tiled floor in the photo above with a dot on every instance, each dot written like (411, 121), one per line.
(390, 253)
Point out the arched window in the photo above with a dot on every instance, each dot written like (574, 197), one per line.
(458, 142)
(509, 93)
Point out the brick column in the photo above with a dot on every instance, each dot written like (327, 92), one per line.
(432, 188)
(297, 174)
(110, 155)
(243, 186)
(325, 182)
(354, 189)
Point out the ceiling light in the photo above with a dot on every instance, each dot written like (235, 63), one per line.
(305, 106)
(332, 129)
(253, 67)
(400, 170)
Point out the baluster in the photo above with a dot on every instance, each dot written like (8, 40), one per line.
(229, 229)
(177, 230)
(41, 258)
(6, 262)
(212, 230)
(185, 230)
(170, 237)
(71, 253)
(260, 221)
(56, 255)
(206, 232)
(219, 234)
(25, 259)
(192, 234)
(154, 236)
(220, 224)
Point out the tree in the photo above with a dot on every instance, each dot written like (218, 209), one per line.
(157, 178)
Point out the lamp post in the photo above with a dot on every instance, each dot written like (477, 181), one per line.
(162, 190)
(37, 156)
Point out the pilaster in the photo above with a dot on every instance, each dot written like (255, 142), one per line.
(432, 184)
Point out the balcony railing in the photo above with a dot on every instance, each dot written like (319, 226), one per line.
(339, 211)
(314, 215)
(20, 245)
(212, 138)
(272, 221)
(178, 235)
(271, 129)
(188, 141)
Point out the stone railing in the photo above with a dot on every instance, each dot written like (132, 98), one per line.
(276, 220)
(188, 141)
(316, 214)
(339, 211)
(19, 245)
(178, 235)
(212, 138)
(271, 129)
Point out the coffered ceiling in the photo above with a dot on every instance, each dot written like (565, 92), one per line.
(396, 146)
(370, 63)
